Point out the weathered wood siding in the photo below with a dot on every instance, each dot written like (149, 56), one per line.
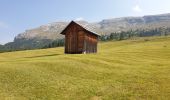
(78, 40)
(90, 43)
(74, 39)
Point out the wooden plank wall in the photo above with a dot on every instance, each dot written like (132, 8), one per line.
(81, 36)
(74, 39)
(77, 40)
(91, 43)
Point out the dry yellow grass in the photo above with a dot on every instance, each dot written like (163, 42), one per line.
(130, 69)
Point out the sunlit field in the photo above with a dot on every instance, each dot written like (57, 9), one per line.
(137, 69)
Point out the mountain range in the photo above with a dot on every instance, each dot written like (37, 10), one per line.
(45, 34)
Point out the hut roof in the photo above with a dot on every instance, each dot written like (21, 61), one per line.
(83, 25)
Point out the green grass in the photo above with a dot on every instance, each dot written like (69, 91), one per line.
(136, 69)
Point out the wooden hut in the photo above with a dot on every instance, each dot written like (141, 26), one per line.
(79, 39)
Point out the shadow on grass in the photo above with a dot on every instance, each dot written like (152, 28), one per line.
(43, 56)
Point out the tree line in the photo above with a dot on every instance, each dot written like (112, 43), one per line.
(56, 43)
(135, 33)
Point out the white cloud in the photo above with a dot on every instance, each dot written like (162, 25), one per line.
(137, 9)
(3, 25)
(79, 19)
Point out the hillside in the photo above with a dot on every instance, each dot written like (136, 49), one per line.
(45, 34)
(107, 26)
(131, 69)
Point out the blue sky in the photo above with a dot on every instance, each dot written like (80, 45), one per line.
(16, 16)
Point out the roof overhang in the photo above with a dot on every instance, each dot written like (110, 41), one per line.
(73, 22)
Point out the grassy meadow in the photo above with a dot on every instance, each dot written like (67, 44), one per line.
(136, 69)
